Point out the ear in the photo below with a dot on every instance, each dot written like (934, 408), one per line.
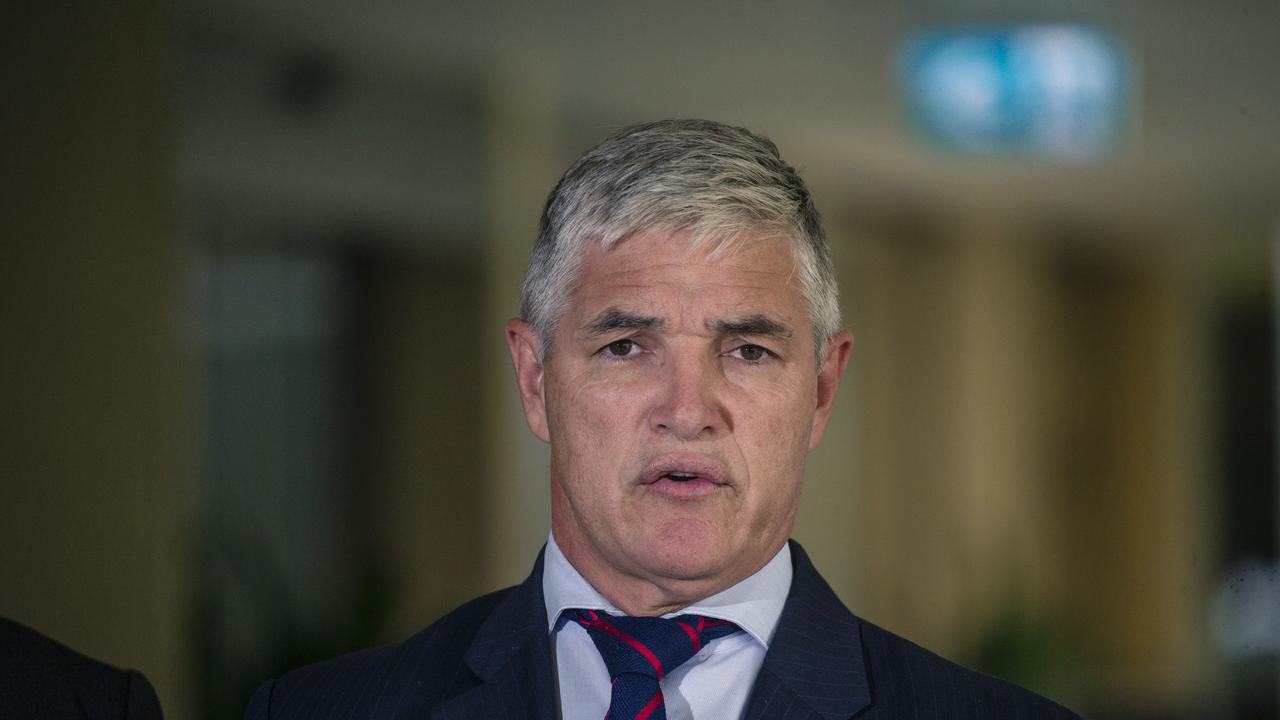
(834, 360)
(525, 349)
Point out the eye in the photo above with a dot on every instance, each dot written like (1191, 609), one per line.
(620, 348)
(752, 353)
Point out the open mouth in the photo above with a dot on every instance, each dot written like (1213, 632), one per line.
(685, 470)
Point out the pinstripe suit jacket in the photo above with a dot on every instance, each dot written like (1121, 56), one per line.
(491, 658)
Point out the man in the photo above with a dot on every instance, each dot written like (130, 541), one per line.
(43, 679)
(680, 350)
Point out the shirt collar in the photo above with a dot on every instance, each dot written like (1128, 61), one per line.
(754, 604)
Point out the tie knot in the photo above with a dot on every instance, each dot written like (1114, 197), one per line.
(649, 646)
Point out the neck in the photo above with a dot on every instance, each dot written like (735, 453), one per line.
(636, 595)
(640, 591)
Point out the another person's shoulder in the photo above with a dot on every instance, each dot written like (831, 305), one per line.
(41, 677)
(373, 682)
(907, 675)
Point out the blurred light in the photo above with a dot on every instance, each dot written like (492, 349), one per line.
(1246, 611)
(1059, 91)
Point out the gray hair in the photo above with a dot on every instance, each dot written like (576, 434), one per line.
(719, 183)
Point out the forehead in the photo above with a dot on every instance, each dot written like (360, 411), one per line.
(679, 284)
(658, 259)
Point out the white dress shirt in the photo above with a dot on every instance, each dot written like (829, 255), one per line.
(712, 684)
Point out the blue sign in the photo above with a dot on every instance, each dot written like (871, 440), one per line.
(1059, 91)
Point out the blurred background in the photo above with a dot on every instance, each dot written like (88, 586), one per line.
(257, 258)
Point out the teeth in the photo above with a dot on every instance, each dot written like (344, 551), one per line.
(682, 475)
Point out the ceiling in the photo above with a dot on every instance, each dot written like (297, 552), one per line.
(819, 77)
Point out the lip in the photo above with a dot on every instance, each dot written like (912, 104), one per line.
(708, 472)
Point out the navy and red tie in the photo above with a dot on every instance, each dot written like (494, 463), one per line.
(640, 651)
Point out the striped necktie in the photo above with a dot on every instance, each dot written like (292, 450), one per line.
(640, 651)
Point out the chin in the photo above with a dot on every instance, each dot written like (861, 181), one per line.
(686, 550)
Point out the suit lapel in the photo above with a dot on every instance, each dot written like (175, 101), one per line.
(511, 661)
(815, 667)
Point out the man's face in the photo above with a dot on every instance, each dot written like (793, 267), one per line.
(680, 397)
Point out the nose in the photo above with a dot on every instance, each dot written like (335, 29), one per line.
(690, 403)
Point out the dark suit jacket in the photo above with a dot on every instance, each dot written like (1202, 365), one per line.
(40, 678)
(491, 658)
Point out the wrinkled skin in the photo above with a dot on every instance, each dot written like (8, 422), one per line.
(677, 360)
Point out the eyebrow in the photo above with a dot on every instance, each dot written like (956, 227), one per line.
(758, 325)
(614, 319)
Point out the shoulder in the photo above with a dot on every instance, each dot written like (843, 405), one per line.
(40, 677)
(875, 669)
(905, 675)
(382, 681)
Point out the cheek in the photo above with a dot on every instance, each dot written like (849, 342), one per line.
(779, 416)
(591, 420)
(774, 437)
